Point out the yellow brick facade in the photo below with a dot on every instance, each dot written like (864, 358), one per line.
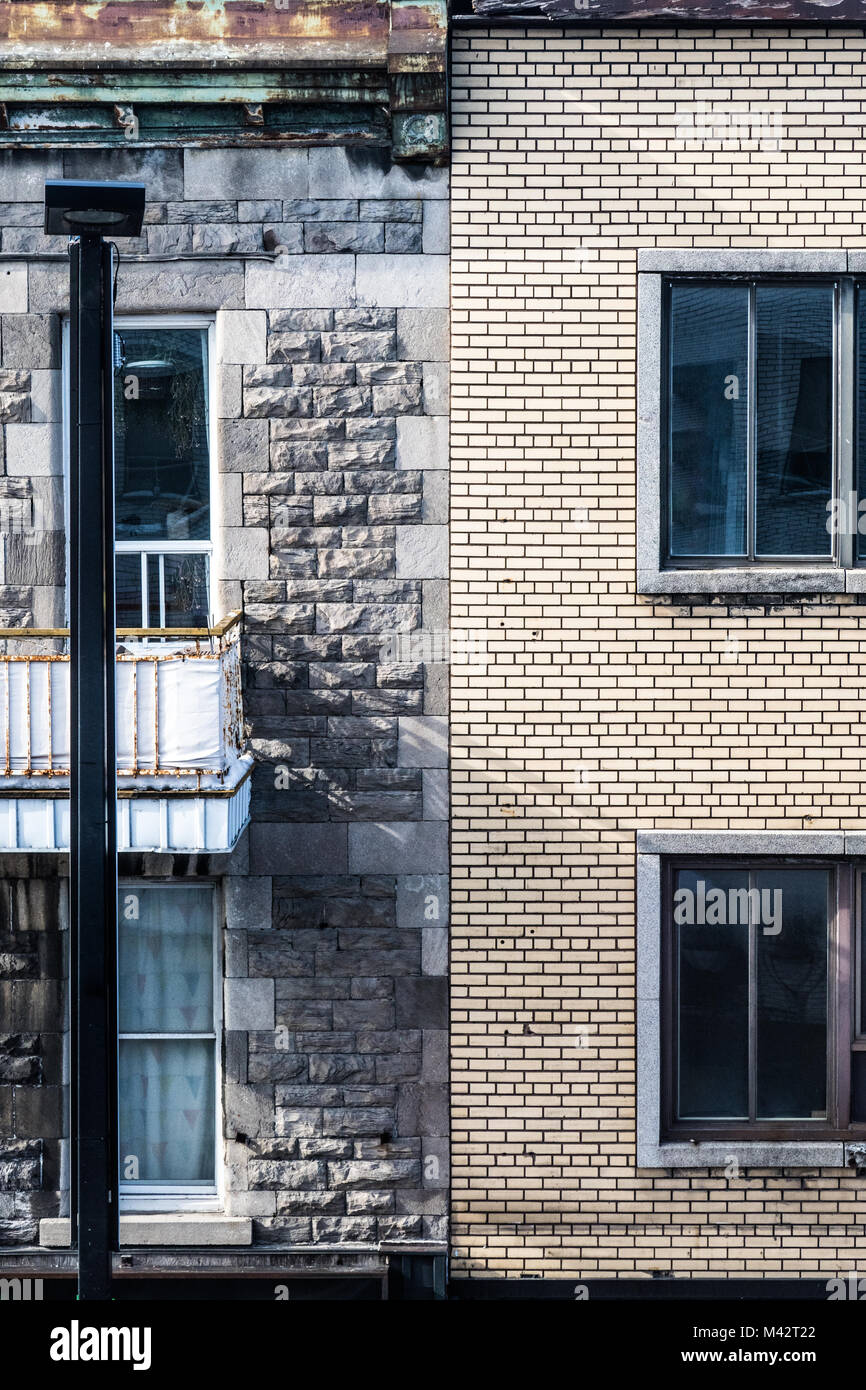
(599, 712)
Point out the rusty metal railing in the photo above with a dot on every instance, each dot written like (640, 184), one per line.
(34, 702)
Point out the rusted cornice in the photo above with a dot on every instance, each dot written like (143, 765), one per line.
(314, 71)
(748, 12)
(159, 33)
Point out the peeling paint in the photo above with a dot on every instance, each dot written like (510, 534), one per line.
(170, 31)
(594, 12)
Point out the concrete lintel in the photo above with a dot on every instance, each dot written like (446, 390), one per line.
(741, 842)
(190, 1228)
(662, 260)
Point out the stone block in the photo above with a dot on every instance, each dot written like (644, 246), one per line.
(23, 173)
(358, 346)
(227, 239)
(393, 209)
(367, 172)
(13, 288)
(260, 210)
(423, 335)
(404, 238)
(244, 552)
(434, 951)
(229, 392)
(241, 335)
(423, 741)
(437, 227)
(249, 1004)
(436, 501)
(422, 442)
(248, 902)
(220, 173)
(375, 1173)
(287, 849)
(344, 236)
(34, 450)
(243, 446)
(320, 209)
(169, 239)
(178, 287)
(422, 552)
(398, 847)
(437, 388)
(403, 282)
(161, 171)
(31, 341)
(355, 1121)
(421, 1002)
(436, 801)
(301, 282)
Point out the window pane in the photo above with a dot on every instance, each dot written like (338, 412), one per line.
(165, 960)
(708, 419)
(186, 590)
(128, 590)
(861, 952)
(162, 453)
(794, 419)
(713, 990)
(167, 1111)
(154, 608)
(792, 994)
(861, 414)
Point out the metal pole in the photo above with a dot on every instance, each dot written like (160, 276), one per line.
(93, 789)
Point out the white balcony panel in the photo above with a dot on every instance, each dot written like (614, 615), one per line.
(206, 823)
(183, 775)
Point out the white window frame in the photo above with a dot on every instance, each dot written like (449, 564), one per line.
(131, 322)
(172, 1197)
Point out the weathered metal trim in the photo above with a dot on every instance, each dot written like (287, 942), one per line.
(349, 86)
(826, 13)
(163, 33)
(180, 633)
(66, 122)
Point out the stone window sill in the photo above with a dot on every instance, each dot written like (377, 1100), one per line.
(160, 1229)
(717, 1154)
(819, 579)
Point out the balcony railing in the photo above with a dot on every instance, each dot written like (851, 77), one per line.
(179, 738)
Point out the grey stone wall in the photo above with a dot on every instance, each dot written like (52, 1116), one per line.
(33, 970)
(332, 513)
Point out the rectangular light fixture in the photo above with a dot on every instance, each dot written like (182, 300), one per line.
(74, 207)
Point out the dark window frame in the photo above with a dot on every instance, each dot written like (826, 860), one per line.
(843, 554)
(846, 948)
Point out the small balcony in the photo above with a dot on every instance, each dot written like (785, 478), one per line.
(183, 777)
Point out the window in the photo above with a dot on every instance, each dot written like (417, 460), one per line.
(762, 1014)
(167, 1002)
(751, 432)
(162, 473)
(753, 416)
(751, 421)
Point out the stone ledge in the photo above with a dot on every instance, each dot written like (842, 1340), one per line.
(162, 1229)
(749, 1155)
(740, 842)
(758, 580)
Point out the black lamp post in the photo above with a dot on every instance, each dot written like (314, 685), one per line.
(87, 212)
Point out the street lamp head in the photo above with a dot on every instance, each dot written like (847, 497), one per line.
(74, 207)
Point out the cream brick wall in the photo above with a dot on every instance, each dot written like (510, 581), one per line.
(680, 716)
